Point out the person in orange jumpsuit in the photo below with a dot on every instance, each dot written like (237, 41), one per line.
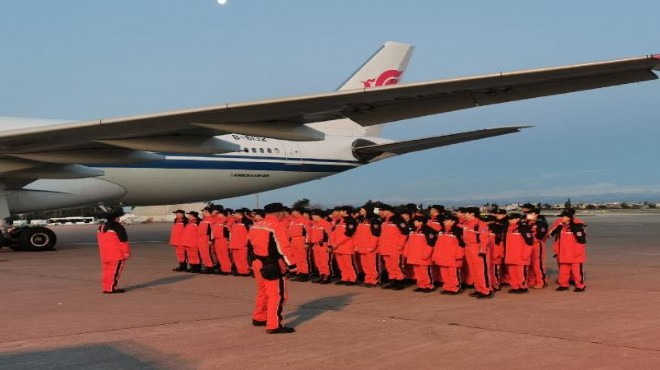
(343, 247)
(468, 281)
(475, 234)
(298, 228)
(536, 277)
(190, 241)
(436, 216)
(204, 241)
(499, 227)
(419, 250)
(518, 247)
(492, 241)
(318, 238)
(366, 244)
(114, 250)
(272, 260)
(176, 239)
(393, 234)
(448, 254)
(570, 250)
(238, 242)
(220, 241)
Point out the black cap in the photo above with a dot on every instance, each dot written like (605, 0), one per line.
(207, 209)
(194, 213)
(114, 213)
(218, 208)
(368, 207)
(452, 218)
(347, 209)
(317, 212)
(439, 207)
(274, 208)
(259, 212)
(473, 210)
(487, 218)
(534, 210)
(242, 210)
(568, 212)
(298, 209)
(461, 209)
(180, 211)
(422, 219)
(387, 207)
(528, 206)
(499, 211)
(514, 215)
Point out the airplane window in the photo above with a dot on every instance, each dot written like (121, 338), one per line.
(277, 151)
(270, 150)
(254, 150)
(246, 150)
(261, 150)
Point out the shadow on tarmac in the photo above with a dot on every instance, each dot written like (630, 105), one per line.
(96, 356)
(161, 281)
(313, 309)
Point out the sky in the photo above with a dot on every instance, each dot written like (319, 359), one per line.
(87, 59)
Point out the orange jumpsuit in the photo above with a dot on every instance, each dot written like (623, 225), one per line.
(448, 254)
(393, 234)
(189, 240)
(366, 245)
(114, 251)
(570, 248)
(220, 234)
(271, 246)
(319, 236)
(176, 240)
(537, 277)
(204, 242)
(436, 224)
(238, 245)
(518, 250)
(475, 234)
(419, 249)
(344, 248)
(297, 230)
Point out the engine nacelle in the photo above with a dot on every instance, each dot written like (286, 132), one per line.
(54, 194)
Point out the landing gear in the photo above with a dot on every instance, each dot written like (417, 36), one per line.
(28, 238)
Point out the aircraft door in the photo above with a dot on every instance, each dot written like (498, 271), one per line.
(293, 153)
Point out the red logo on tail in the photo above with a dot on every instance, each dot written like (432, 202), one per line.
(389, 77)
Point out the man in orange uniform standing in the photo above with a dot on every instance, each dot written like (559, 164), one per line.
(176, 239)
(537, 277)
(238, 243)
(204, 241)
(570, 250)
(114, 251)
(475, 234)
(220, 236)
(319, 238)
(366, 244)
(393, 234)
(448, 254)
(343, 246)
(297, 229)
(190, 241)
(419, 249)
(272, 259)
(518, 250)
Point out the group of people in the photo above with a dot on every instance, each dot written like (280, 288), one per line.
(378, 247)
(374, 247)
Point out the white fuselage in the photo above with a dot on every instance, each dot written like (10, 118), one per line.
(262, 164)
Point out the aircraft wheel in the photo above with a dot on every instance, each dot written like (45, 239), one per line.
(37, 239)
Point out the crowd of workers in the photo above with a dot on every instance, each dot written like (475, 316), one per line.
(442, 248)
(372, 247)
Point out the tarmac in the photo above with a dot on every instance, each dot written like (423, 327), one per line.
(53, 315)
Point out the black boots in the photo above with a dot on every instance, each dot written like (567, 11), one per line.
(182, 267)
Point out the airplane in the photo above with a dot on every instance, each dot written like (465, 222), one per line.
(234, 149)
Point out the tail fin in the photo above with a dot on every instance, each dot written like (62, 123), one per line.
(385, 67)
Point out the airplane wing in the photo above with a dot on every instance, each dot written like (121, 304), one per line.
(368, 151)
(193, 130)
